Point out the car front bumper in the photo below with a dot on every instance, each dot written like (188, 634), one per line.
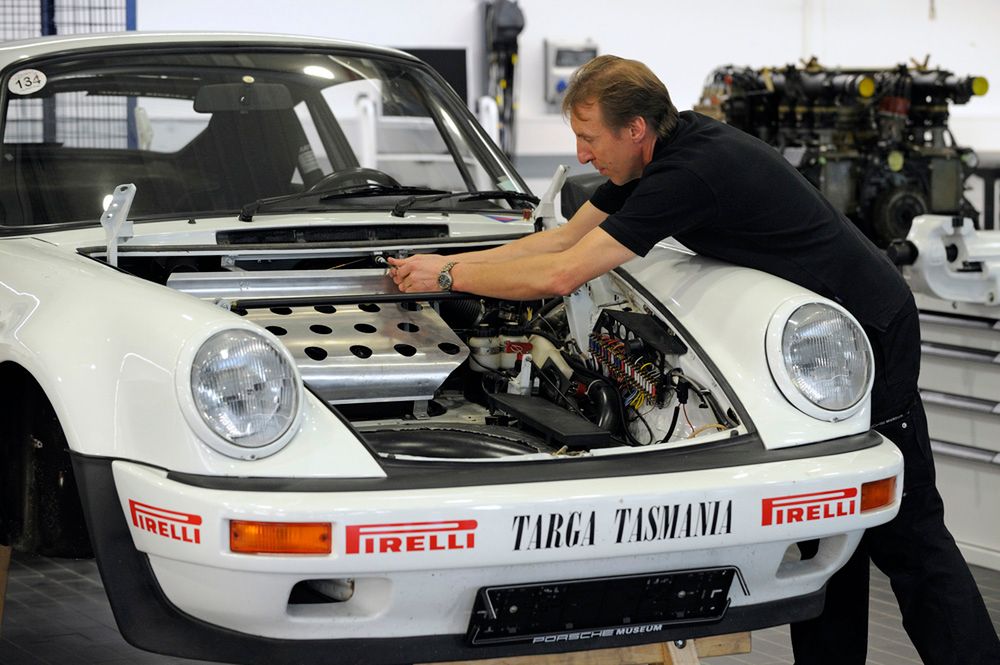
(418, 556)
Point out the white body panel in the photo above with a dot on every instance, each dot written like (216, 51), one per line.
(728, 309)
(111, 374)
(395, 595)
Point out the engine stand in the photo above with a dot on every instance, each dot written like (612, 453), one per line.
(680, 652)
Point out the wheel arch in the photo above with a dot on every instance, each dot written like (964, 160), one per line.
(40, 508)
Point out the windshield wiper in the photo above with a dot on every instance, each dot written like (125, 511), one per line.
(400, 208)
(248, 211)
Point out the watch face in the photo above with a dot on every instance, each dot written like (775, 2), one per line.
(444, 277)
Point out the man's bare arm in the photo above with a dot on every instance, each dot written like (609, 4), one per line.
(527, 277)
(424, 268)
(552, 240)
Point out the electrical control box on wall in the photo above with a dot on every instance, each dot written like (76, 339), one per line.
(561, 60)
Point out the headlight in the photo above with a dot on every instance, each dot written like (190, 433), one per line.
(246, 390)
(820, 358)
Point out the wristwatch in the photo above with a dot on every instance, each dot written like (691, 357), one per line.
(444, 277)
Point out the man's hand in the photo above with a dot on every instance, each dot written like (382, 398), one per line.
(417, 273)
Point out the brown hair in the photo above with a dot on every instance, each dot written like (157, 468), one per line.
(624, 89)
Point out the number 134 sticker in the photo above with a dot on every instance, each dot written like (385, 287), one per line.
(26, 81)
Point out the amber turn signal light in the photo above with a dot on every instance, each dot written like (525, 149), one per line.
(280, 537)
(878, 494)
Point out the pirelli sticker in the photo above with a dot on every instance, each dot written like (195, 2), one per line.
(166, 523)
(809, 507)
(400, 537)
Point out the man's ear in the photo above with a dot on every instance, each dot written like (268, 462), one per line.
(637, 128)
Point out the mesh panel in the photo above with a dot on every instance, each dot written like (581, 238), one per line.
(92, 122)
(77, 120)
(24, 122)
(73, 120)
(23, 19)
(90, 16)
(20, 19)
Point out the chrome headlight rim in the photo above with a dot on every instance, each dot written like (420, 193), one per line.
(779, 371)
(192, 414)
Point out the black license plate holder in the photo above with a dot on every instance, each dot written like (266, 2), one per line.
(603, 607)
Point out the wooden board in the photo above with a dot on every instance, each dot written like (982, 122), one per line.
(667, 653)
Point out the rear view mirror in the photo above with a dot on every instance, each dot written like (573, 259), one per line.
(242, 97)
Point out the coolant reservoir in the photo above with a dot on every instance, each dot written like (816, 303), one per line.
(513, 343)
(485, 346)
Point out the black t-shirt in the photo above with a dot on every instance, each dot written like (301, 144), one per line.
(725, 194)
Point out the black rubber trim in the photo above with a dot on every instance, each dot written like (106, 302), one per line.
(304, 235)
(292, 246)
(148, 620)
(403, 474)
(313, 300)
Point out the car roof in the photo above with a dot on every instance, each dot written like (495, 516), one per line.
(14, 51)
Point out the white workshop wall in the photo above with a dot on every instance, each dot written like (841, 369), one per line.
(681, 41)
(397, 23)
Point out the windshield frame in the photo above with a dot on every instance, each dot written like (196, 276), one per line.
(443, 105)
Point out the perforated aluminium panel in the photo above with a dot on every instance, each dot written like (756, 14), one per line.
(367, 352)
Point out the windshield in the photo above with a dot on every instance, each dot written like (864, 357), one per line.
(211, 130)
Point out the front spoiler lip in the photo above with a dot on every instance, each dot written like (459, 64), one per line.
(148, 620)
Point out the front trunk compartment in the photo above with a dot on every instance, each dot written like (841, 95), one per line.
(451, 376)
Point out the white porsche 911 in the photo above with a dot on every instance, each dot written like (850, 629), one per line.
(208, 378)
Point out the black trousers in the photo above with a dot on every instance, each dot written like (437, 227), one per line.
(943, 611)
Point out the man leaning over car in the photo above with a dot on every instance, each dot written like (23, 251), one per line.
(727, 195)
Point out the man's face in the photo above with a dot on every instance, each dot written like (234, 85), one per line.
(613, 153)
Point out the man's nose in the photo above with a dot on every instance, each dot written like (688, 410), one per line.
(583, 154)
